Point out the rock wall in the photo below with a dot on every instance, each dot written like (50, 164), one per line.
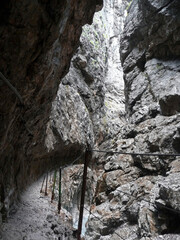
(150, 55)
(94, 83)
(38, 39)
(89, 106)
(137, 197)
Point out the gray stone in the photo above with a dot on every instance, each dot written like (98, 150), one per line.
(167, 237)
(169, 191)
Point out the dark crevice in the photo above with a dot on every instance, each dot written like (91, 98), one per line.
(170, 104)
(132, 134)
(176, 144)
(164, 6)
(168, 220)
(2, 198)
(141, 62)
(151, 15)
(146, 172)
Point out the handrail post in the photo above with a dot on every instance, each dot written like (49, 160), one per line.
(46, 185)
(42, 184)
(59, 201)
(54, 184)
(86, 161)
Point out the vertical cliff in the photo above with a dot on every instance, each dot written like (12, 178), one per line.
(38, 39)
(90, 101)
(94, 84)
(137, 196)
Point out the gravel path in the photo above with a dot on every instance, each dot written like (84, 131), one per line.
(35, 218)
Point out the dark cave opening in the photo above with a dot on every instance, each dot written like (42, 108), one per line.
(176, 144)
(169, 221)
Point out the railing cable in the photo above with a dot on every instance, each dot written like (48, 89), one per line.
(141, 154)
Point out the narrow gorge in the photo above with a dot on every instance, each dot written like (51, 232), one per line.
(97, 75)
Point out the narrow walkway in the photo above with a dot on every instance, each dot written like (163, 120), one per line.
(35, 218)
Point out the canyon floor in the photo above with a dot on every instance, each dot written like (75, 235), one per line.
(35, 217)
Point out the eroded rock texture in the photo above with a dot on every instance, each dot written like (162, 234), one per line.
(137, 197)
(150, 55)
(37, 41)
(94, 83)
(89, 106)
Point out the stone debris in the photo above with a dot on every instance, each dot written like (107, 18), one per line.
(35, 218)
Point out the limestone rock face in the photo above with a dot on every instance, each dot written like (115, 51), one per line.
(149, 53)
(89, 107)
(137, 197)
(70, 120)
(95, 75)
(37, 41)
